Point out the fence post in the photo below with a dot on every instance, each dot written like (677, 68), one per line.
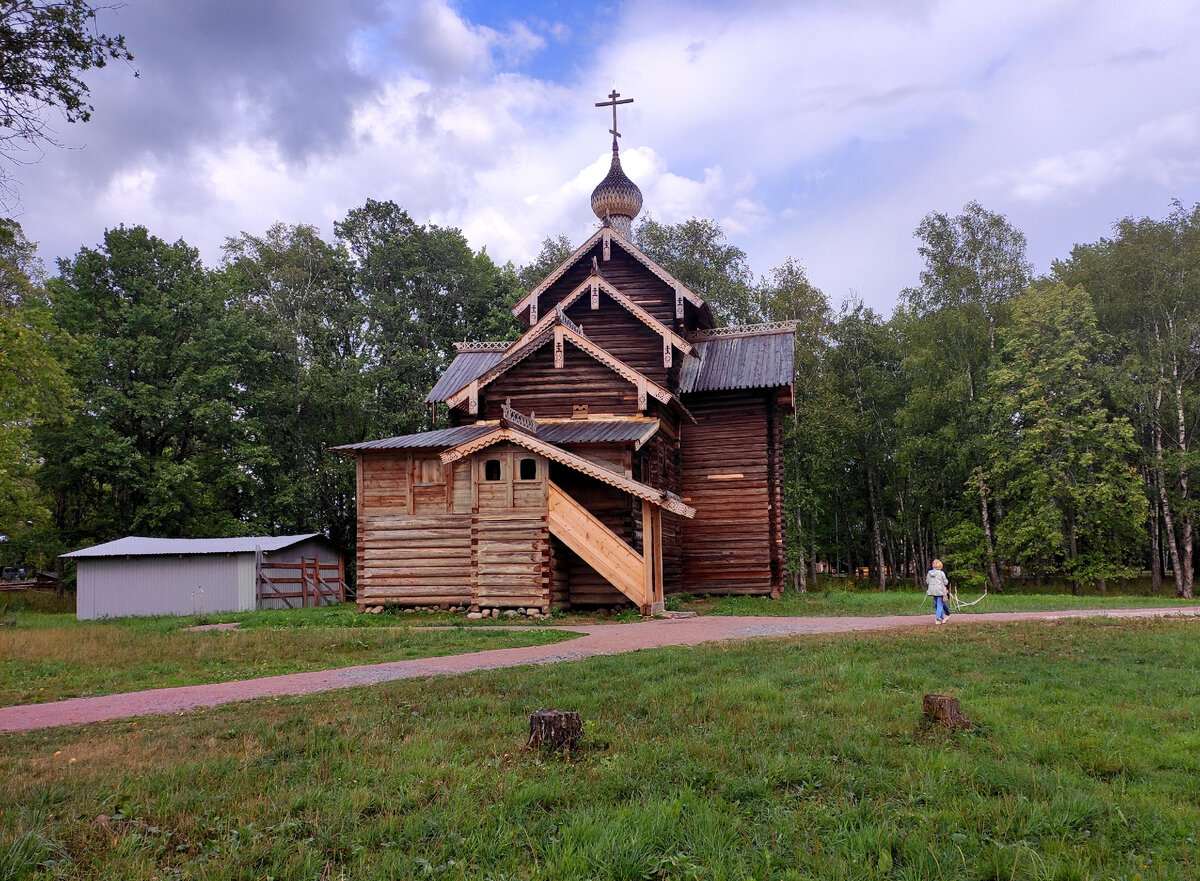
(258, 576)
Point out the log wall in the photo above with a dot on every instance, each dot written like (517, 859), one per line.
(733, 546)
(441, 535)
(624, 337)
(536, 386)
(659, 465)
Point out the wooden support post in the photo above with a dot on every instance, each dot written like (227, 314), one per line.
(658, 604)
(647, 558)
(341, 579)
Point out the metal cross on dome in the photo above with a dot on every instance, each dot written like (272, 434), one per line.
(613, 102)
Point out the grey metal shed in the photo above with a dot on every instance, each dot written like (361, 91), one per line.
(183, 576)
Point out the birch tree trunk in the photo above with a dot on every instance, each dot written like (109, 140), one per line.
(1184, 584)
(994, 582)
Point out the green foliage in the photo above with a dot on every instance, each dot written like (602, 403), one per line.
(34, 388)
(1059, 461)
(697, 253)
(1146, 285)
(554, 252)
(46, 45)
(423, 289)
(162, 443)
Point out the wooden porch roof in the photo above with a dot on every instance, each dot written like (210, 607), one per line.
(572, 431)
(666, 500)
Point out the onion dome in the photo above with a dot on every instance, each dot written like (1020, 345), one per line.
(617, 200)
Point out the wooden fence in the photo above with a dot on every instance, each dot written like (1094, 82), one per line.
(310, 582)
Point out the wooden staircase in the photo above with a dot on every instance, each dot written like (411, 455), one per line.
(637, 576)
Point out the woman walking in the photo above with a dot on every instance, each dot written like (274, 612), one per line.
(937, 585)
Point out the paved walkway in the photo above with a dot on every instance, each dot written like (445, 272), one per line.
(598, 639)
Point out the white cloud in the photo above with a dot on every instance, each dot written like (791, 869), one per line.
(820, 131)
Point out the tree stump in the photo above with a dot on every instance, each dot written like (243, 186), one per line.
(945, 711)
(554, 730)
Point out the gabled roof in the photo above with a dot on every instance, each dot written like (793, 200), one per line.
(748, 356)
(138, 546)
(617, 297)
(662, 498)
(574, 431)
(631, 249)
(570, 333)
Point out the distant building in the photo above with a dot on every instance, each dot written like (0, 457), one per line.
(185, 576)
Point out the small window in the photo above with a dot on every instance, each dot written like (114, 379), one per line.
(491, 469)
(529, 469)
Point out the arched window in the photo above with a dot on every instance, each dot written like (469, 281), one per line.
(491, 469)
(529, 469)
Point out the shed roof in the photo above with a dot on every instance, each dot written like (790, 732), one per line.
(747, 360)
(465, 367)
(577, 431)
(139, 546)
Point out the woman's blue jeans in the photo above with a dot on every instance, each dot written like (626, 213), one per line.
(939, 604)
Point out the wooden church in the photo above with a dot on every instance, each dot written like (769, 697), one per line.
(622, 449)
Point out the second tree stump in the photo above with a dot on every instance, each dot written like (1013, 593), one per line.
(554, 729)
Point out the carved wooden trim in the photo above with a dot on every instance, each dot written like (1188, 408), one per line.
(766, 328)
(595, 285)
(482, 346)
(558, 346)
(516, 419)
(606, 243)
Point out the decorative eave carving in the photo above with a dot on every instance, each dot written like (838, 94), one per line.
(666, 500)
(735, 330)
(482, 346)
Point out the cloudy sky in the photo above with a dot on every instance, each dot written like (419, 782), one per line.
(818, 129)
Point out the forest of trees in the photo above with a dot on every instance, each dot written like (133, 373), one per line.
(995, 419)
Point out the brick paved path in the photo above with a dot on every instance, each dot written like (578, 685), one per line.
(598, 639)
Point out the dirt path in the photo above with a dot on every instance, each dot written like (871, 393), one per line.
(597, 639)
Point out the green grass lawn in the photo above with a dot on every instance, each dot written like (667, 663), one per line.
(790, 759)
(906, 600)
(50, 657)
